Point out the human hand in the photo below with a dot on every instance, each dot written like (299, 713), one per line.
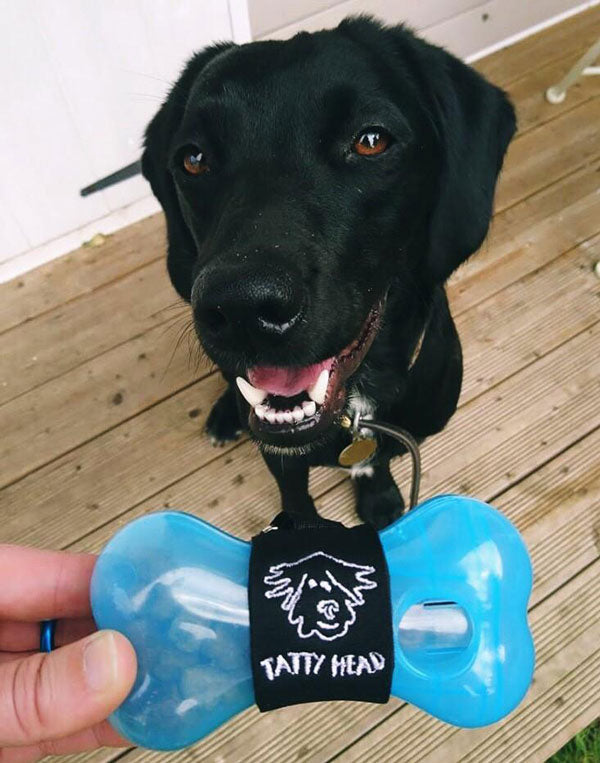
(56, 703)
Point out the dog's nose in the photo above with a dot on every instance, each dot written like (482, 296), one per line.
(263, 303)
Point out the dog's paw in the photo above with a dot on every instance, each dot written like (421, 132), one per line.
(380, 508)
(223, 423)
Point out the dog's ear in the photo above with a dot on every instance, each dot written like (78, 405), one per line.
(155, 161)
(474, 122)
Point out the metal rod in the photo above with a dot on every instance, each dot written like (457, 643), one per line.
(558, 92)
(131, 170)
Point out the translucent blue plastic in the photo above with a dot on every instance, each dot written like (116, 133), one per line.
(177, 588)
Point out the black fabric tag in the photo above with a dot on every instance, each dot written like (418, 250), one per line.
(320, 615)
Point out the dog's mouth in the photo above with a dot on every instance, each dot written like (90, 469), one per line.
(291, 406)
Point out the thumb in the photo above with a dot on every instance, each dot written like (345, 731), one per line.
(48, 696)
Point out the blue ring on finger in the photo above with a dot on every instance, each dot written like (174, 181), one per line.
(47, 631)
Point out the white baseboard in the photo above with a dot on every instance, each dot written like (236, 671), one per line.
(21, 263)
(531, 30)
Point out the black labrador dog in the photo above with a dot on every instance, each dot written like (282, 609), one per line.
(318, 192)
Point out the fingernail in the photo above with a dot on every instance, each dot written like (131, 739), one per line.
(100, 661)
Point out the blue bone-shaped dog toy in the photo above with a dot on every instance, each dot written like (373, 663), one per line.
(177, 588)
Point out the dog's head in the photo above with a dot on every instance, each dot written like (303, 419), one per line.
(304, 183)
(320, 593)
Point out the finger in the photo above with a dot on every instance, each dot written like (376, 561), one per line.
(101, 735)
(12, 656)
(49, 696)
(20, 637)
(40, 585)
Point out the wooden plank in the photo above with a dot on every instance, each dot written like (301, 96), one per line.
(566, 701)
(569, 38)
(557, 509)
(508, 432)
(529, 93)
(567, 637)
(321, 731)
(566, 39)
(526, 237)
(534, 160)
(96, 396)
(137, 458)
(521, 323)
(64, 338)
(564, 695)
(81, 272)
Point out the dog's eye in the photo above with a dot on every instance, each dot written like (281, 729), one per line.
(194, 161)
(371, 142)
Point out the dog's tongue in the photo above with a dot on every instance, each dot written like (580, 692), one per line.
(286, 381)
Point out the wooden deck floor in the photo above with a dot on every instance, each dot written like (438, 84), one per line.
(101, 419)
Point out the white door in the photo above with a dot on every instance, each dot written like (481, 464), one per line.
(79, 80)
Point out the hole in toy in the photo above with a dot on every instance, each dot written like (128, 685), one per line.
(434, 628)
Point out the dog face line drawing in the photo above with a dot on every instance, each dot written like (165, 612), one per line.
(321, 600)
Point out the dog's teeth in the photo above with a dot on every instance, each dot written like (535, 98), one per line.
(253, 395)
(309, 408)
(280, 417)
(260, 411)
(319, 389)
(298, 414)
(271, 416)
(288, 416)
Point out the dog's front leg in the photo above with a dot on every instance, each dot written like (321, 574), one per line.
(224, 423)
(292, 479)
(379, 502)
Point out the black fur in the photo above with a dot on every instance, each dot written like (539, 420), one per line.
(289, 211)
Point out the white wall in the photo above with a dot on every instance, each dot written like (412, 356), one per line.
(79, 81)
